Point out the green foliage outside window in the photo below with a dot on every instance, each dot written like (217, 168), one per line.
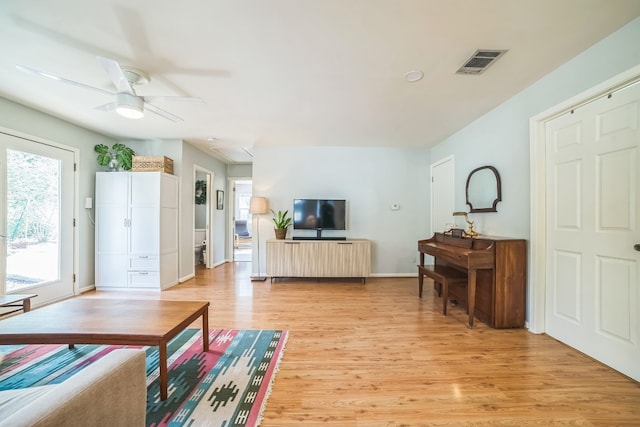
(32, 198)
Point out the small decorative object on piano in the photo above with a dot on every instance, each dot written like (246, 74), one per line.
(470, 232)
(152, 164)
(456, 232)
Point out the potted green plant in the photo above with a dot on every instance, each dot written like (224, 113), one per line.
(282, 221)
(119, 156)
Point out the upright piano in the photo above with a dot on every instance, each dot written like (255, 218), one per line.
(496, 275)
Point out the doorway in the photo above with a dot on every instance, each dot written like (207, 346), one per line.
(37, 200)
(586, 273)
(242, 220)
(202, 220)
(442, 194)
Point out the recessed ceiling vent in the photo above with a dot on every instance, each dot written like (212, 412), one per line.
(480, 61)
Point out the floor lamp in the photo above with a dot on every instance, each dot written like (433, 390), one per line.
(258, 206)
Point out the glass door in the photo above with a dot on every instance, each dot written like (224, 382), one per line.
(37, 218)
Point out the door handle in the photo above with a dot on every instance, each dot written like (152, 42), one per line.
(637, 247)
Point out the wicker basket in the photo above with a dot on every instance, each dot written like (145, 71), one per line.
(152, 164)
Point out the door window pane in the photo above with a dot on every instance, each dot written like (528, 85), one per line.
(33, 212)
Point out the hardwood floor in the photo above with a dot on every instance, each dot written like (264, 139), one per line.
(377, 355)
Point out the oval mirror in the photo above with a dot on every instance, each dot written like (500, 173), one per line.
(483, 189)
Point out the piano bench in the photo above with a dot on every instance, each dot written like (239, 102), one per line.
(442, 276)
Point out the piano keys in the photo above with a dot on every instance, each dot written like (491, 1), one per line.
(496, 275)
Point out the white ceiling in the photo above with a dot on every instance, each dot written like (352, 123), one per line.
(293, 72)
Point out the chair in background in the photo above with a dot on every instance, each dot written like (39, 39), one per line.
(241, 232)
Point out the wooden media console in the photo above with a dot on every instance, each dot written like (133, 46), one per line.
(318, 258)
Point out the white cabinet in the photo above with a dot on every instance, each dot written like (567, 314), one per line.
(318, 258)
(136, 230)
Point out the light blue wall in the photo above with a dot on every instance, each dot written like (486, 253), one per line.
(370, 179)
(240, 171)
(501, 137)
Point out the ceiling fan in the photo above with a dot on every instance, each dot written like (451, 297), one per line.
(127, 103)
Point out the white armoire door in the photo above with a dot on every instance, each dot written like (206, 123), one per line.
(593, 208)
(145, 214)
(112, 232)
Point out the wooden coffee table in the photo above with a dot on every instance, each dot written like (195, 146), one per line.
(108, 321)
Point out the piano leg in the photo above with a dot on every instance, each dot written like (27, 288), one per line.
(471, 295)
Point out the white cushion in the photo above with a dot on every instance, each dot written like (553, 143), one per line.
(11, 400)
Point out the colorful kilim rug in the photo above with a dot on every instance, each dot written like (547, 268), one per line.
(227, 386)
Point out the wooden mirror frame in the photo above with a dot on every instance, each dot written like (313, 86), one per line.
(498, 191)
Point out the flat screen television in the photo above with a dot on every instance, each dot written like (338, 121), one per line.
(319, 214)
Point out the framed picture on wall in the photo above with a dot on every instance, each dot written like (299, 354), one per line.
(219, 199)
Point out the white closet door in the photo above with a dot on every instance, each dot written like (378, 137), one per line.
(442, 194)
(593, 209)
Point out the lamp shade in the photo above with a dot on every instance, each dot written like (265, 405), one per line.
(259, 205)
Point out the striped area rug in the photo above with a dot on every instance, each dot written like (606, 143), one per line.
(227, 386)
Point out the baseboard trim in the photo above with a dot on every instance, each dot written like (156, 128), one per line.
(187, 277)
(394, 274)
(87, 288)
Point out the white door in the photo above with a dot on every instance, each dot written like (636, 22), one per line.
(593, 222)
(37, 199)
(442, 194)
(144, 202)
(112, 232)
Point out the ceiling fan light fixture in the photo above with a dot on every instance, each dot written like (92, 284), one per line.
(129, 106)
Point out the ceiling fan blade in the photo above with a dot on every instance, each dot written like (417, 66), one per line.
(182, 99)
(106, 107)
(116, 75)
(162, 113)
(61, 79)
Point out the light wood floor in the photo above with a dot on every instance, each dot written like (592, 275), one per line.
(377, 355)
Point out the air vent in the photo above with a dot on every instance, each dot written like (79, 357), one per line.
(229, 151)
(480, 61)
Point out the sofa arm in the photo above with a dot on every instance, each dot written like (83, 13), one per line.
(112, 391)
